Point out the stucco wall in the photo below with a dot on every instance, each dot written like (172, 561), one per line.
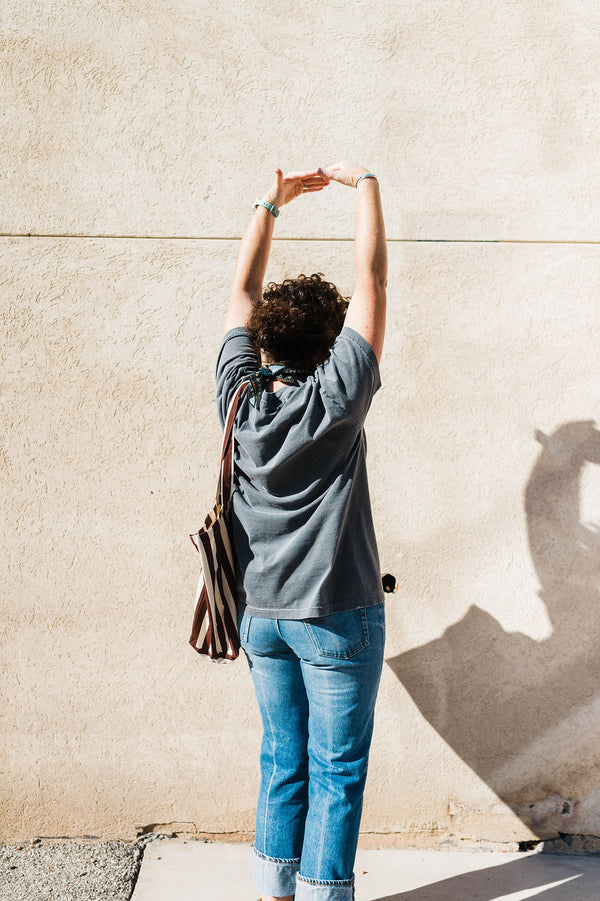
(135, 138)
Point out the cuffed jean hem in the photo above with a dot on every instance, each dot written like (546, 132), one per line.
(313, 890)
(275, 877)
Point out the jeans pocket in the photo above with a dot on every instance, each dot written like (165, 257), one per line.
(339, 635)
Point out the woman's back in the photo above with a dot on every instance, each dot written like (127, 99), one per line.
(303, 529)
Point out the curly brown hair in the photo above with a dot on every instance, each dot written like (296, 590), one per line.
(298, 320)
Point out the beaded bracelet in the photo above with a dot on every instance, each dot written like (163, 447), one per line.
(268, 206)
(366, 175)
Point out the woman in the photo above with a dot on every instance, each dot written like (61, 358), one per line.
(311, 611)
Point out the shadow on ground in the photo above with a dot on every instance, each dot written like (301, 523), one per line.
(548, 878)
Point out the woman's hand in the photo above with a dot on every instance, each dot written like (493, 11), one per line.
(346, 172)
(293, 184)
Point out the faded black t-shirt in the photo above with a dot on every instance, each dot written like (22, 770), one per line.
(301, 513)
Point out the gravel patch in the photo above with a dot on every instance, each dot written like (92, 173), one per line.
(69, 870)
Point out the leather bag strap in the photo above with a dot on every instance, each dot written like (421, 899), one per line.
(225, 485)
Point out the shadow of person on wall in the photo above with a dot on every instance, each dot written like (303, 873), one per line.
(550, 879)
(508, 704)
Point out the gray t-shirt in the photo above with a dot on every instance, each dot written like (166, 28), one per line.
(301, 513)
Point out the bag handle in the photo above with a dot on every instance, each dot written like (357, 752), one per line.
(225, 484)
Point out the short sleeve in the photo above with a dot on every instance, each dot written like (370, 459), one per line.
(350, 375)
(236, 361)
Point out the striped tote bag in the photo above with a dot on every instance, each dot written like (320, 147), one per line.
(214, 627)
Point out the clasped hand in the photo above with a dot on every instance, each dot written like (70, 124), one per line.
(289, 186)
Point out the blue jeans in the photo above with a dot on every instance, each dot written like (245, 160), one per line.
(316, 681)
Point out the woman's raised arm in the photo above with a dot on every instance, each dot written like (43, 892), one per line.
(253, 254)
(366, 312)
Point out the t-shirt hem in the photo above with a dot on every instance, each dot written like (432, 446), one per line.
(312, 612)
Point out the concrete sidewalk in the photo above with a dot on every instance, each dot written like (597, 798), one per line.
(187, 870)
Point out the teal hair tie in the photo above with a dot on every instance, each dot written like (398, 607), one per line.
(366, 175)
(268, 206)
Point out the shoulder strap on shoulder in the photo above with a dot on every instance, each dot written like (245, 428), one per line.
(225, 485)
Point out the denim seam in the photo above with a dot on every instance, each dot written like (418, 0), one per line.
(324, 822)
(308, 881)
(312, 638)
(276, 859)
(245, 631)
(268, 792)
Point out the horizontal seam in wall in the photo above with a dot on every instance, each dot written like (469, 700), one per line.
(318, 240)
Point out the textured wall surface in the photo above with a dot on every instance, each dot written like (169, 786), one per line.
(135, 138)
